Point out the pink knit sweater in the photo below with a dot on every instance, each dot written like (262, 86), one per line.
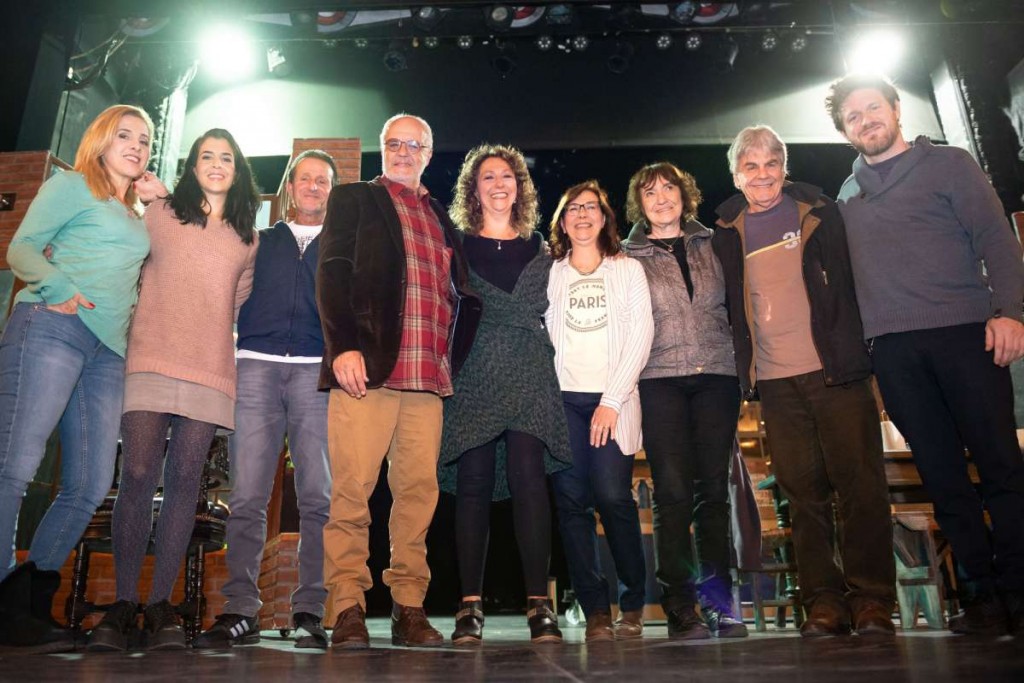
(193, 284)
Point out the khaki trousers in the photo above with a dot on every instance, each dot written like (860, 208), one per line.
(405, 427)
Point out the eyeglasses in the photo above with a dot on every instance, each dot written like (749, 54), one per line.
(394, 145)
(576, 209)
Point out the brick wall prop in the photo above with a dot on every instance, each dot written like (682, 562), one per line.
(21, 174)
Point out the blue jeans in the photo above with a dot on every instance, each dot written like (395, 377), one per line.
(599, 478)
(275, 399)
(54, 371)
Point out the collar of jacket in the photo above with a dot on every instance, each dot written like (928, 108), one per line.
(639, 241)
(868, 179)
(732, 208)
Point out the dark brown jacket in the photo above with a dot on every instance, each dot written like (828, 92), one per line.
(361, 279)
(835, 318)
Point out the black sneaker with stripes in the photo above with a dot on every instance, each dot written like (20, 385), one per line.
(230, 629)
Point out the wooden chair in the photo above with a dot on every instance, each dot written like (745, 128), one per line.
(778, 542)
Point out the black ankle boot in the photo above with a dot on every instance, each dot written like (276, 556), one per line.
(469, 623)
(26, 601)
(543, 621)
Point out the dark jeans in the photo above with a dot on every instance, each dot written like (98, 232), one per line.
(943, 391)
(599, 478)
(689, 425)
(531, 511)
(826, 447)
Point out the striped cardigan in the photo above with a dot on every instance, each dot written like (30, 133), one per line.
(630, 332)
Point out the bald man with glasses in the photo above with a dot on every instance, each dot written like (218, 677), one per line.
(398, 321)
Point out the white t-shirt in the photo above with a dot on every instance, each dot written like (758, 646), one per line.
(585, 360)
(304, 234)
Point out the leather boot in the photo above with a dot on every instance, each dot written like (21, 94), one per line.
(410, 627)
(26, 600)
(469, 623)
(350, 629)
(543, 621)
(827, 618)
(599, 627)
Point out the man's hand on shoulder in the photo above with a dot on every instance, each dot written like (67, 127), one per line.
(1004, 337)
(350, 371)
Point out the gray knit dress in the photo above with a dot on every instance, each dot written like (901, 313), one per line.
(508, 382)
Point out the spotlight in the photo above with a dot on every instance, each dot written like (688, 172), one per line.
(426, 17)
(559, 15)
(431, 41)
(693, 42)
(876, 52)
(683, 12)
(724, 55)
(798, 43)
(769, 41)
(277, 63)
(498, 17)
(663, 41)
(580, 43)
(395, 58)
(361, 43)
(618, 61)
(227, 53)
(544, 43)
(464, 42)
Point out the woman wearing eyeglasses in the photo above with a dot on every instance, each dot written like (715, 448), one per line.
(599, 319)
(500, 436)
(690, 398)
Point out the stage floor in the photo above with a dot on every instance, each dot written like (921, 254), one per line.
(774, 656)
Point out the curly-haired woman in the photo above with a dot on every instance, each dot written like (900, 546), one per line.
(503, 430)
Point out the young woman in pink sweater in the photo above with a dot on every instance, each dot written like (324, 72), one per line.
(180, 375)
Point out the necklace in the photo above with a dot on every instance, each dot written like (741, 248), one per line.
(665, 243)
(498, 240)
(588, 272)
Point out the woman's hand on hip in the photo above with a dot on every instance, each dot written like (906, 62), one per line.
(70, 306)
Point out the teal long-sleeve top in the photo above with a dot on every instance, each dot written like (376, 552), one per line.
(98, 250)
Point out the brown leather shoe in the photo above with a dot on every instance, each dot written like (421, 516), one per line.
(827, 618)
(409, 627)
(629, 625)
(350, 629)
(599, 627)
(873, 620)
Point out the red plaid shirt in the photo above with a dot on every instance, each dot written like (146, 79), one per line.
(423, 355)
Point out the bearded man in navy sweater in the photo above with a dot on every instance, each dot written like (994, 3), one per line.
(280, 346)
(940, 285)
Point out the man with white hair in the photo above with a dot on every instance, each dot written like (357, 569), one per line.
(798, 341)
(398, 321)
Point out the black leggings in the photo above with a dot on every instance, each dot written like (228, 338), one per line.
(143, 437)
(531, 511)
